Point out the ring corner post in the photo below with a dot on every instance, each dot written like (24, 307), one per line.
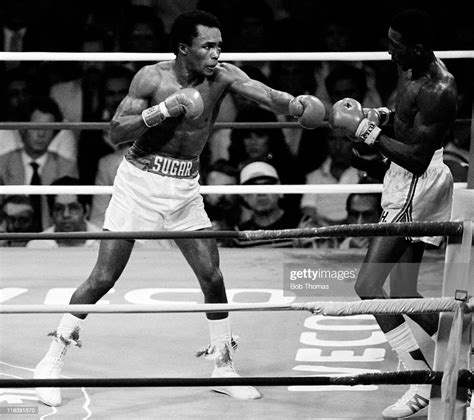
(456, 277)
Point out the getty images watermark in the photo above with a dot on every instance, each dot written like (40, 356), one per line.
(319, 280)
(337, 279)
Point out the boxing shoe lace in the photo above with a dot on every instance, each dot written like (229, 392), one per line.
(209, 352)
(73, 339)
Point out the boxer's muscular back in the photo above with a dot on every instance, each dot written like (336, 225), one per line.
(425, 106)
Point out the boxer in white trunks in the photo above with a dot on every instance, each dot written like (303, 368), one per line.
(169, 112)
(417, 185)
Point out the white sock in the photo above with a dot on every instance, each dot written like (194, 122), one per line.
(402, 341)
(68, 324)
(219, 330)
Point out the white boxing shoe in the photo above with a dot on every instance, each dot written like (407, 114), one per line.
(224, 368)
(50, 368)
(237, 392)
(414, 401)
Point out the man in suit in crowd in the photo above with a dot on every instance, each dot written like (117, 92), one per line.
(34, 163)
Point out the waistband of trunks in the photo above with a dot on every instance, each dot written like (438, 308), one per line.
(436, 162)
(162, 165)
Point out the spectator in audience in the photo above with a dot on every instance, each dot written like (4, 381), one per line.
(18, 30)
(100, 15)
(34, 163)
(143, 32)
(361, 209)
(327, 157)
(79, 93)
(262, 143)
(95, 144)
(224, 210)
(266, 144)
(15, 96)
(18, 212)
(344, 81)
(265, 209)
(297, 78)
(17, 93)
(328, 209)
(339, 35)
(69, 213)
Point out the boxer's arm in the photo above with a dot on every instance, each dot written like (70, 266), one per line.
(308, 109)
(434, 118)
(241, 84)
(127, 123)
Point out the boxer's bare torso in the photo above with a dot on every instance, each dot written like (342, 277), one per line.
(425, 110)
(199, 69)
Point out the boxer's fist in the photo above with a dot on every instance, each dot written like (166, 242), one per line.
(348, 115)
(365, 153)
(379, 116)
(308, 109)
(186, 101)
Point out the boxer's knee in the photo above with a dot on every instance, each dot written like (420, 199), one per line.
(212, 285)
(367, 290)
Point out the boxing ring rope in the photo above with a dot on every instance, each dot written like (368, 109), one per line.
(65, 125)
(210, 189)
(364, 307)
(261, 56)
(383, 378)
(336, 231)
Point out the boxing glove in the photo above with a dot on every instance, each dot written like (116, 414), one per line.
(379, 116)
(348, 115)
(186, 101)
(309, 110)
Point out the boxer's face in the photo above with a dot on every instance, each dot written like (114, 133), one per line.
(204, 52)
(400, 51)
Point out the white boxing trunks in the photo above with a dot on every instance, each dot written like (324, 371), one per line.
(156, 193)
(425, 198)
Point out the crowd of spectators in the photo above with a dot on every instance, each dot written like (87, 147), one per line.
(91, 91)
